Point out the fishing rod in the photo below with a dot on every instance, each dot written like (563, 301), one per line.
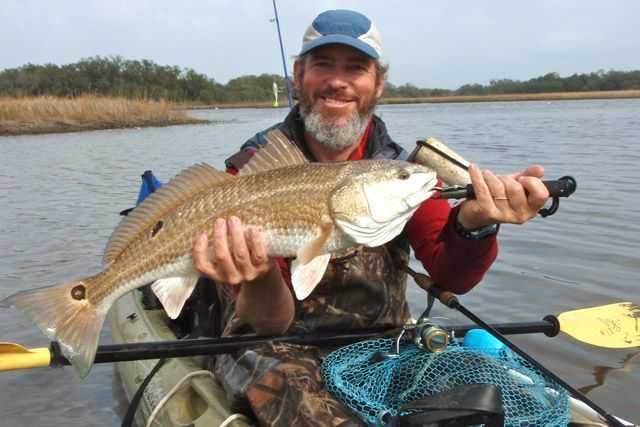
(576, 323)
(452, 168)
(287, 82)
(451, 301)
(561, 187)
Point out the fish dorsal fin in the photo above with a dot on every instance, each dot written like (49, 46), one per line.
(189, 182)
(277, 153)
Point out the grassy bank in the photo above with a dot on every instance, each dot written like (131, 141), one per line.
(551, 96)
(52, 115)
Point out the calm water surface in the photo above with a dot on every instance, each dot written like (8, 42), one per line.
(60, 195)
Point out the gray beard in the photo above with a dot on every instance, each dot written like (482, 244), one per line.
(332, 136)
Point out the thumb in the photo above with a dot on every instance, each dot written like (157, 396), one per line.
(533, 170)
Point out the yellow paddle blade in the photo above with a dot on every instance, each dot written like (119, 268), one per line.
(14, 356)
(612, 326)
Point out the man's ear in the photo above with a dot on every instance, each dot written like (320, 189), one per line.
(297, 75)
(380, 88)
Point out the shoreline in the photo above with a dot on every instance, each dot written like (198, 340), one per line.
(57, 127)
(44, 115)
(549, 96)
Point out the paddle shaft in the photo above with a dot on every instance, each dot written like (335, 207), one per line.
(211, 346)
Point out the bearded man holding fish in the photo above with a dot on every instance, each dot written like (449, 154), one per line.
(339, 77)
(312, 234)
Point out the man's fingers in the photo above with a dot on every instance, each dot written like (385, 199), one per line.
(517, 200)
(533, 170)
(495, 184)
(256, 245)
(238, 245)
(537, 192)
(200, 254)
(221, 254)
(483, 194)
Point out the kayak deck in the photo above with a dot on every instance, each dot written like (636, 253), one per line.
(199, 401)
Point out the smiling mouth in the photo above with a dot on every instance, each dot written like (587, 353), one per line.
(335, 101)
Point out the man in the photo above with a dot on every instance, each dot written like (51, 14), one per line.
(339, 78)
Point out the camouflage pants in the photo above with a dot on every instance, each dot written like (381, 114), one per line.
(281, 385)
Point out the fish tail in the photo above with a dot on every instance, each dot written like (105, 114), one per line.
(64, 314)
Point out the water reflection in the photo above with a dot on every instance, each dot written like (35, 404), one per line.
(601, 373)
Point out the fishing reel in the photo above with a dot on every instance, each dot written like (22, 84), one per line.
(428, 336)
(424, 334)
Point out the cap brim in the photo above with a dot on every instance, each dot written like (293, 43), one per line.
(340, 39)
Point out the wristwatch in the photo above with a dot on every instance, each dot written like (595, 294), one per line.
(478, 233)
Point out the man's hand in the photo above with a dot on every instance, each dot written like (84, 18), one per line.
(513, 199)
(239, 253)
(240, 257)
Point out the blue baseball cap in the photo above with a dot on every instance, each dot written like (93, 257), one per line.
(343, 27)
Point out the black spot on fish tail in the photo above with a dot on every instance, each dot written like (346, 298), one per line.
(79, 292)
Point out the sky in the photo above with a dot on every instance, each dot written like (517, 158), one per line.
(430, 44)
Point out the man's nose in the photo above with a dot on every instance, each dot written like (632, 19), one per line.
(337, 80)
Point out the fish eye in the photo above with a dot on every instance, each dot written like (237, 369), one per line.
(404, 174)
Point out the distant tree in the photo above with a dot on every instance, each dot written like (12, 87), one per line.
(117, 76)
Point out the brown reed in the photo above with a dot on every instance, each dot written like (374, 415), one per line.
(34, 115)
(549, 96)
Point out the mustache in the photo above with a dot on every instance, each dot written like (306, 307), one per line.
(336, 93)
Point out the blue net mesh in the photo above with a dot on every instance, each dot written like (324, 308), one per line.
(375, 390)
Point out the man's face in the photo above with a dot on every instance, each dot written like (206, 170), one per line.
(338, 82)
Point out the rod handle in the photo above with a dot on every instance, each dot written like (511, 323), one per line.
(561, 187)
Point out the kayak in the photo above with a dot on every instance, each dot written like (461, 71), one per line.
(182, 392)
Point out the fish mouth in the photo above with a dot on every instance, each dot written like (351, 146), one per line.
(416, 199)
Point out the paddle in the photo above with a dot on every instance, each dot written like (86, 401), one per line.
(582, 324)
(607, 320)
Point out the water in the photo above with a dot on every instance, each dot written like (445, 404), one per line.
(60, 195)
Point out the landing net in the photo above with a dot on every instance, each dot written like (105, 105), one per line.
(375, 390)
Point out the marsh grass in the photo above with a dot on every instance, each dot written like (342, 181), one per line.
(51, 114)
(549, 96)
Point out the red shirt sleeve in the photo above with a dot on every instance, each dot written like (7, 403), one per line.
(455, 263)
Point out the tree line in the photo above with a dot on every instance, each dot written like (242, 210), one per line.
(116, 76)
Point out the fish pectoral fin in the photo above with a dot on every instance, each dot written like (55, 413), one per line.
(310, 263)
(305, 277)
(173, 292)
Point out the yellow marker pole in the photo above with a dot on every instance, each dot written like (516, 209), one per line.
(14, 356)
(275, 95)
